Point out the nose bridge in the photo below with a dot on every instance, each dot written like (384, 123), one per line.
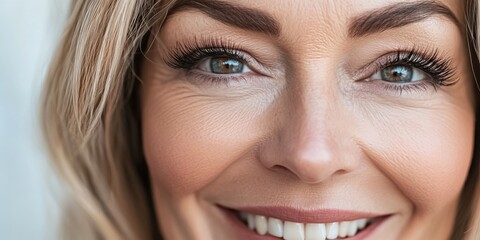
(311, 146)
(311, 111)
(310, 141)
(314, 98)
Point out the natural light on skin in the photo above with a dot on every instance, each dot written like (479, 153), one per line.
(308, 117)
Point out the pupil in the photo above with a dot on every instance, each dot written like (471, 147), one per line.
(224, 65)
(397, 73)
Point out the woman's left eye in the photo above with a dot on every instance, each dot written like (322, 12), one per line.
(399, 74)
(223, 65)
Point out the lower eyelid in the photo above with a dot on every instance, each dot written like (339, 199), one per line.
(417, 89)
(224, 80)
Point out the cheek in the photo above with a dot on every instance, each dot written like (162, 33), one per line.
(190, 139)
(425, 152)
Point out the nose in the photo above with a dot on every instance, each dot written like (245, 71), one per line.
(314, 140)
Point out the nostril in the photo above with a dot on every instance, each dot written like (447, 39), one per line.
(284, 172)
(281, 169)
(306, 175)
(290, 173)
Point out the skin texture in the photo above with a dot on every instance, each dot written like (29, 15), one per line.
(304, 129)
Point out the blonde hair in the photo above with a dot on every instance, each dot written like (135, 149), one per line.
(91, 126)
(90, 121)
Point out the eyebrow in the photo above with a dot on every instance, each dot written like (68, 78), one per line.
(234, 15)
(375, 21)
(398, 15)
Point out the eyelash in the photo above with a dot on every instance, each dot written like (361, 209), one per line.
(186, 56)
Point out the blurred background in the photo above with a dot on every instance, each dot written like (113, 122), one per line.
(29, 193)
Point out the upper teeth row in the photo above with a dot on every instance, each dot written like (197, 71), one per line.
(303, 231)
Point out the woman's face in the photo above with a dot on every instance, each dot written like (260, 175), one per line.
(308, 119)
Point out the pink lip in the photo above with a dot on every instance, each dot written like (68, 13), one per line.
(308, 216)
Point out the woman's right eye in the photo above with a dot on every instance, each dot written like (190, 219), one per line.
(223, 65)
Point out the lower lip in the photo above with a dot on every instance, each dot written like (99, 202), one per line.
(245, 233)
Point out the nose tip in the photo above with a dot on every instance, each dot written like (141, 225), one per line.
(313, 166)
(310, 162)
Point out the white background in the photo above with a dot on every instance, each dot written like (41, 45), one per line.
(29, 195)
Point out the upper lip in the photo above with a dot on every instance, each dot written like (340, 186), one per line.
(308, 216)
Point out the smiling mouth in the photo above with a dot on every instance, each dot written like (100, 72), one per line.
(265, 225)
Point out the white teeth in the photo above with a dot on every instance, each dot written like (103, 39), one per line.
(343, 229)
(275, 227)
(261, 225)
(332, 230)
(361, 223)
(293, 231)
(352, 229)
(303, 231)
(315, 231)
